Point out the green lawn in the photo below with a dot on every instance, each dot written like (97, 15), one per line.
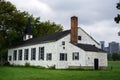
(27, 73)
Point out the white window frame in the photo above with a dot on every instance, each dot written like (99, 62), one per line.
(75, 56)
(49, 56)
(26, 54)
(41, 53)
(63, 56)
(20, 52)
(14, 55)
(33, 54)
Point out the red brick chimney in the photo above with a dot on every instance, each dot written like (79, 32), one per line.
(74, 30)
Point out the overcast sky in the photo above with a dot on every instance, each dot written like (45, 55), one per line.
(96, 17)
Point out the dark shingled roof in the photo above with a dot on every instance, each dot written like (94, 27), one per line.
(53, 37)
(89, 47)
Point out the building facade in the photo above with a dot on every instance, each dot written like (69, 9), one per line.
(113, 47)
(67, 49)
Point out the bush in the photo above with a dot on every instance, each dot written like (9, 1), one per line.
(27, 64)
(7, 64)
(51, 67)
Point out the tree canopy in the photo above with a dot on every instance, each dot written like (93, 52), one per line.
(13, 23)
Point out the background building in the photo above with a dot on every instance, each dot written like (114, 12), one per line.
(102, 44)
(113, 47)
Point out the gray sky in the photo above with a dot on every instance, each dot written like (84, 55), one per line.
(96, 17)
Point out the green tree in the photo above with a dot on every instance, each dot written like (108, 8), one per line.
(45, 28)
(109, 56)
(115, 56)
(117, 18)
(13, 23)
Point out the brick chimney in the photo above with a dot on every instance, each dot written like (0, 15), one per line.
(74, 30)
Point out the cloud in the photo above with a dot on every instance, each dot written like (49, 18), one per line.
(95, 16)
(104, 30)
(35, 7)
(89, 11)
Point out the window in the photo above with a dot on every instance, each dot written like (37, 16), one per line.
(49, 56)
(33, 53)
(75, 55)
(41, 53)
(63, 56)
(79, 37)
(20, 55)
(26, 54)
(63, 42)
(15, 55)
(10, 58)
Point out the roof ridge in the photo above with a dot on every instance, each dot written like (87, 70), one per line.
(51, 34)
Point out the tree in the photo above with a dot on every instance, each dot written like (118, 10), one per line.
(45, 28)
(13, 24)
(117, 18)
(109, 56)
(115, 56)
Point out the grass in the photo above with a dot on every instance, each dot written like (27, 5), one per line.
(29, 73)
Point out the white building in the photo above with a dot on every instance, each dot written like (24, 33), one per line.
(67, 49)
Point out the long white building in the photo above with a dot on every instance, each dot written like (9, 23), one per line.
(66, 49)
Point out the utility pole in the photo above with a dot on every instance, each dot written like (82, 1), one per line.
(117, 18)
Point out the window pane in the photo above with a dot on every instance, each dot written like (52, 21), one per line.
(75, 55)
(79, 37)
(33, 53)
(10, 58)
(41, 53)
(49, 56)
(20, 55)
(26, 54)
(63, 57)
(63, 42)
(15, 55)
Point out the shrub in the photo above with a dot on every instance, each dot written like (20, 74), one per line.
(51, 67)
(7, 64)
(27, 64)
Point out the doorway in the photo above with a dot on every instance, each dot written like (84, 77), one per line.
(96, 64)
